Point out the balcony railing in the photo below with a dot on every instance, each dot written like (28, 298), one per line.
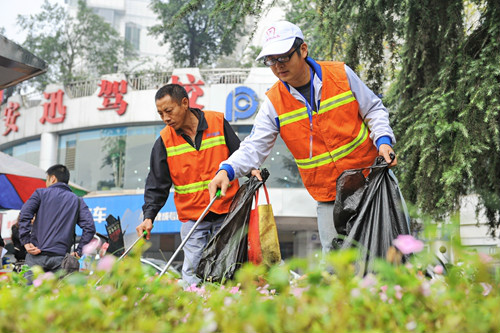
(147, 81)
(153, 80)
(225, 75)
(81, 88)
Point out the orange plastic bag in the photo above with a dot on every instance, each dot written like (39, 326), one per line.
(263, 243)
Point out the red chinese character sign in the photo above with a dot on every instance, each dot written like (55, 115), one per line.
(113, 92)
(53, 107)
(11, 115)
(192, 88)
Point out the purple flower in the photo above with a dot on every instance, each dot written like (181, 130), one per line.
(408, 244)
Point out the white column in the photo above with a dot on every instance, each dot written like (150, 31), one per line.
(48, 149)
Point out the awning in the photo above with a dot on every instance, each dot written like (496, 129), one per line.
(17, 64)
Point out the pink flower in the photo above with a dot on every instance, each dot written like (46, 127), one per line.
(425, 288)
(355, 293)
(438, 269)
(297, 292)
(485, 259)
(91, 247)
(408, 244)
(228, 301)
(410, 326)
(37, 282)
(106, 263)
(368, 281)
(185, 318)
(234, 290)
(195, 289)
(486, 288)
(399, 293)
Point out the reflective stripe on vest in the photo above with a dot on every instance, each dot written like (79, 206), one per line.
(186, 147)
(326, 105)
(191, 188)
(336, 154)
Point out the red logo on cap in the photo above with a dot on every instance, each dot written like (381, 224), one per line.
(271, 34)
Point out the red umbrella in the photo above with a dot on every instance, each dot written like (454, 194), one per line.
(19, 179)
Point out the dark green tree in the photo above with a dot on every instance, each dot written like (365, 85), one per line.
(447, 103)
(361, 33)
(74, 47)
(198, 32)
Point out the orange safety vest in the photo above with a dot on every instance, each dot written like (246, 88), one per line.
(192, 170)
(341, 140)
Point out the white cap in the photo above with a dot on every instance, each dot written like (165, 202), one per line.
(279, 38)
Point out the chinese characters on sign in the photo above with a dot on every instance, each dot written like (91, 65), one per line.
(167, 216)
(99, 214)
(113, 96)
(11, 115)
(193, 89)
(241, 103)
(54, 105)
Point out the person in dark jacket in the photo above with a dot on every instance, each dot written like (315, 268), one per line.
(19, 250)
(50, 237)
(2, 245)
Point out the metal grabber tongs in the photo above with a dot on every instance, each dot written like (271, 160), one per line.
(217, 195)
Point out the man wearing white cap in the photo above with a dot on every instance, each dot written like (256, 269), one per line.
(328, 118)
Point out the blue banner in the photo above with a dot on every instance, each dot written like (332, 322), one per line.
(129, 209)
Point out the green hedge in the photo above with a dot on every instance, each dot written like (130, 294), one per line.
(328, 297)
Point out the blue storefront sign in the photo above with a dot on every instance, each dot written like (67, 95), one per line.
(241, 104)
(129, 209)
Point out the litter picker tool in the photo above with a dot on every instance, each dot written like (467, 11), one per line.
(217, 195)
(126, 252)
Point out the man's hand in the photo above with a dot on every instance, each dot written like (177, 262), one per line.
(221, 180)
(386, 150)
(146, 225)
(32, 249)
(75, 254)
(256, 173)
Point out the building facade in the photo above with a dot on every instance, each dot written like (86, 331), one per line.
(103, 130)
(131, 19)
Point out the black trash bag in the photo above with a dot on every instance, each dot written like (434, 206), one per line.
(369, 212)
(227, 250)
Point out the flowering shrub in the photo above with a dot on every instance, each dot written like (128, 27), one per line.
(328, 296)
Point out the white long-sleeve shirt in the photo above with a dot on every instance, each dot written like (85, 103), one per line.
(257, 146)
